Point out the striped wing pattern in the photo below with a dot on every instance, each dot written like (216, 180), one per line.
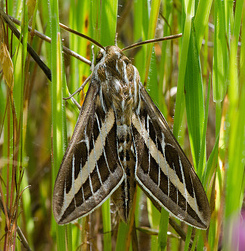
(162, 169)
(90, 170)
(120, 139)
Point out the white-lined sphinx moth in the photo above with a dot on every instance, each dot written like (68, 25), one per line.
(121, 139)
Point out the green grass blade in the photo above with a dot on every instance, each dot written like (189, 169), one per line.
(163, 229)
(122, 236)
(201, 20)
(235, 172)
(179, 107)
(58, 114)
(141, 14)
(194, 99)
(220, 61)
(235, 167)
(108, 21)
(154, 10)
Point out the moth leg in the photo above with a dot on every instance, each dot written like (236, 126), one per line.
(80, 88)
(77, 91)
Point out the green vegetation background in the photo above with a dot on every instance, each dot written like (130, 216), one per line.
(207, 64)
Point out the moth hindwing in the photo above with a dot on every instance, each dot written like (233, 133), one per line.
(121, 139)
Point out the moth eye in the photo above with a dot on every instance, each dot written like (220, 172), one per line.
(100, 55)
(126, 60)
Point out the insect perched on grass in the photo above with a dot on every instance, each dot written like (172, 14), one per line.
(121, 140)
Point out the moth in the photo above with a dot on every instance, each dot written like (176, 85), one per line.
(122, 139)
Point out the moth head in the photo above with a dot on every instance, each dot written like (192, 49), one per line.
(110, 54)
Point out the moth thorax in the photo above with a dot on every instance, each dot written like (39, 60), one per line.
(119, 78)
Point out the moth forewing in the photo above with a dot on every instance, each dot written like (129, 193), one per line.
(121, 139)
(90, 170)
(162, 169)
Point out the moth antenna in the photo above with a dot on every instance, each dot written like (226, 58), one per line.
(82, 35)
(155, 40)
(10, 20)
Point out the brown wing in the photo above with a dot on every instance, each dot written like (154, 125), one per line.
(162, 169)
(90, 171)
